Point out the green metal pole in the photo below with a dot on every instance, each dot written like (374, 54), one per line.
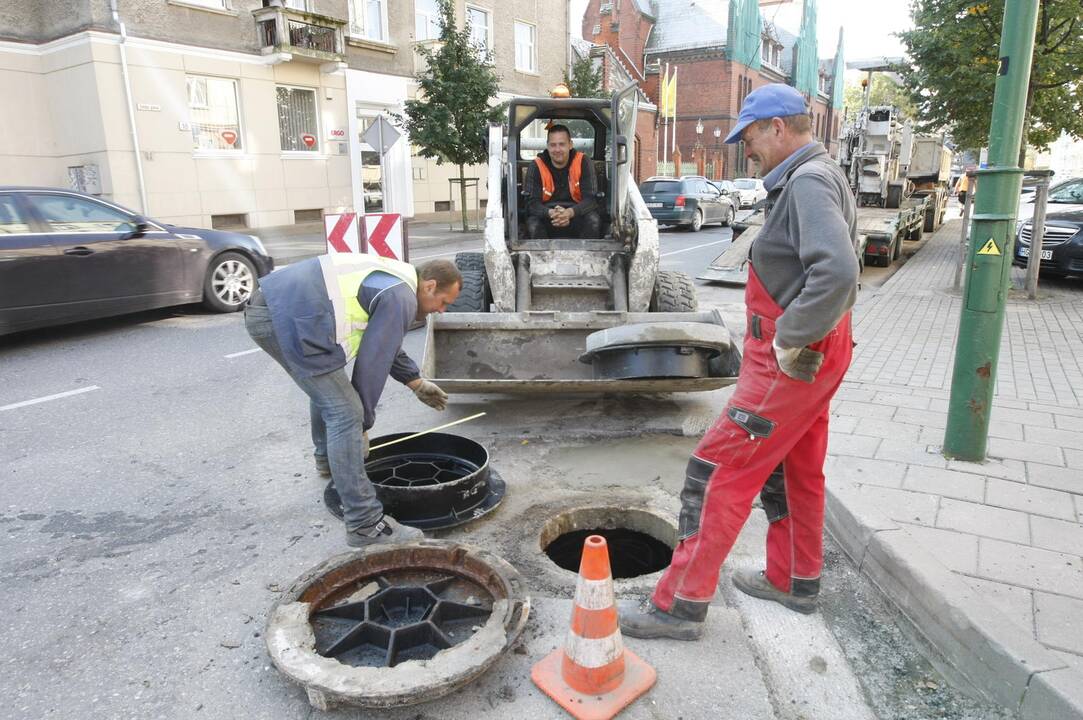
(992, 230)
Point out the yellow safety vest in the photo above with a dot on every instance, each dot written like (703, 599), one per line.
(343, 274)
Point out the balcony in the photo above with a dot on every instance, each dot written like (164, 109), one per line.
(303, 35)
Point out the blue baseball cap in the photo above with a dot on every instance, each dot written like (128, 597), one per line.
(769, 101)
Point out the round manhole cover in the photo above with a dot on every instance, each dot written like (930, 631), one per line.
(434, 481)
(640, 542)
(396, 625)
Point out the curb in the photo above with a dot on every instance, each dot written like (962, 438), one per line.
(982, 649)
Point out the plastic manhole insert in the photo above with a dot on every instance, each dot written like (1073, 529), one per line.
(396, 625)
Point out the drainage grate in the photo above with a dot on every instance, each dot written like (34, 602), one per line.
(400, 620)
(631, 553)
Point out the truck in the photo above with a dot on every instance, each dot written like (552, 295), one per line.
(592, 315)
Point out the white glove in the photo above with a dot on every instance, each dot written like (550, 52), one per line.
(430, 393)
(799, 363)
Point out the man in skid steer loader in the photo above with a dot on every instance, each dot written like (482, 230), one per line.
(561, 191)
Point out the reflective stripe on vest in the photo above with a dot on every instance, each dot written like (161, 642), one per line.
(575, 171)
(343, 274)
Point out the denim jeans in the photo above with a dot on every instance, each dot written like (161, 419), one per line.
(336, 417)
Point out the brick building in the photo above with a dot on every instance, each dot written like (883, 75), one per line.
(720, 51)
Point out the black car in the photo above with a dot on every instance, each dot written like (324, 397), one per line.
(690, 201)
(1062, 245)
(66, 256)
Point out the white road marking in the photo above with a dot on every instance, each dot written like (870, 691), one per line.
(694, 247)
(243, 352)
(444, 254)
(47, 398)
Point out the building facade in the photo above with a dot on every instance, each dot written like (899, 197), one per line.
(719, 53)
(233, 113)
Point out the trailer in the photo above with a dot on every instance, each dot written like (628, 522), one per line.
(884, 230)
(930, 172)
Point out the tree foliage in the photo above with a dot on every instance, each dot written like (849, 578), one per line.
(884, 90)
(585, 80)
(449, 119)
(953, 61)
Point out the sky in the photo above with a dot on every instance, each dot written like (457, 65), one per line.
(867, 24)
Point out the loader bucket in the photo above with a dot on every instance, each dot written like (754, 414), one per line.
(539, 351)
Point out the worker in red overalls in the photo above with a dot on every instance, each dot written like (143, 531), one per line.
(802, 282)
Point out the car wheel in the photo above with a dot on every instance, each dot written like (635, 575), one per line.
(229, 282)
(728, 218)
(697, 221)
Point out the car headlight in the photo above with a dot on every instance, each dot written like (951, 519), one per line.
(259, 244)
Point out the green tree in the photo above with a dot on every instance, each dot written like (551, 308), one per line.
(884, 90)
(953, 63)
(449, 119)
(585, 80)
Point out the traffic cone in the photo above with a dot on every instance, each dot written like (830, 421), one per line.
(593, 677)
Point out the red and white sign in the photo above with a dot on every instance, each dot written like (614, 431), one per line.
(308, 140)
(229, 136)
(341, 233)
(337, 134)
(385, 235)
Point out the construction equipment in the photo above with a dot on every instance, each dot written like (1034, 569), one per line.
(528, 306)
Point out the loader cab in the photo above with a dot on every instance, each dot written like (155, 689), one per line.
(594, 133)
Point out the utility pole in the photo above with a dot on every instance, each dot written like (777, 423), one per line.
(990, 252)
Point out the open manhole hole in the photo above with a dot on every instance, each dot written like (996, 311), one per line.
(396, 625)
(640, 542)
(434, 481)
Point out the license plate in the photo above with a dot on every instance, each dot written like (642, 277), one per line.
(1046, 254)
(654, 205)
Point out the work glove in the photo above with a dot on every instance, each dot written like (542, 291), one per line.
(430, 393)
(365, 443)
(799, 363)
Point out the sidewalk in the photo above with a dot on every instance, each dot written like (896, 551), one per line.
(291, 243)
(984, 559)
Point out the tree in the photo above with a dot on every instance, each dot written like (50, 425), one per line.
(884, 90)
(585, 80)
(952, 70)
(449, 119)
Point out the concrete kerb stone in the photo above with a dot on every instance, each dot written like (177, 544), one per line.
(982, 649)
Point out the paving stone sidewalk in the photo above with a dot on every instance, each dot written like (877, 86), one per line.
(985, 559)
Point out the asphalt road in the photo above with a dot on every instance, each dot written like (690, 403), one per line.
(158, 494)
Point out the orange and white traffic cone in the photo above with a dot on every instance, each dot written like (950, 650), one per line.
(593, 677)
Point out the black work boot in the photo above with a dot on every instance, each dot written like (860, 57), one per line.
(648, 622)
(323, 467)
(386, 531)
(756, 584)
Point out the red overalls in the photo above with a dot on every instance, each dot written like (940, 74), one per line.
(735, 463)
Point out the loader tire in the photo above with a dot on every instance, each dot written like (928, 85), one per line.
(674, 291)
(474, 294)
(470, 261)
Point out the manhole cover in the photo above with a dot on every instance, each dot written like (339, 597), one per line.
(396, 625)
(431, 482)
(639, 541)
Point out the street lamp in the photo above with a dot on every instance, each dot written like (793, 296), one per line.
(718, 152)
(699, 128)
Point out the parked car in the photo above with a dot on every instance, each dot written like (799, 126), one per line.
(66, 256)
(1062, 244)
(751, 190)
(726, 187)
(1064, 196)
(690, 201)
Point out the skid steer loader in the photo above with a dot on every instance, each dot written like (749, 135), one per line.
(574, 315)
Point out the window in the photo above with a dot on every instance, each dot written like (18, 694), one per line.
(298, 129)
(367, 19)
(524, 47)
(479, 24)
(776, 55)
(10, 220)
(765, 51)
(216, 4)
(72, 214)
(426, 20)
(301, 5)
(214, 116)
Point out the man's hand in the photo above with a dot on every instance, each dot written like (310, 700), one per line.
(365, 444)
(799, 363)
(429, 393)
(560, 217)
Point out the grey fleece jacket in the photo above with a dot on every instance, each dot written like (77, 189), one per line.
(805, 254)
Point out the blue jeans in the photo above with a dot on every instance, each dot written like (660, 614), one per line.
(336, 417)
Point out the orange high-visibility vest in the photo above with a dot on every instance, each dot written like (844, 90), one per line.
(574, 173)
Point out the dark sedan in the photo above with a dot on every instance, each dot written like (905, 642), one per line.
(690, 202)
(1062, 245)
(66, 257)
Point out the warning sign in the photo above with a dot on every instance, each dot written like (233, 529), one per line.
(989, 248)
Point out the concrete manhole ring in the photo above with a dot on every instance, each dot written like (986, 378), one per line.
(396, 625)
